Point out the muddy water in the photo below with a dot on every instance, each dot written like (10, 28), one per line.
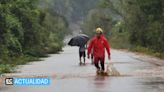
(67, 76)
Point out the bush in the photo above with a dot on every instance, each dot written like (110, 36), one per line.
(6, 68)
(28, 32)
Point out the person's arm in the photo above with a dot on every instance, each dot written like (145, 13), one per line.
(90, 48)
(107, 46)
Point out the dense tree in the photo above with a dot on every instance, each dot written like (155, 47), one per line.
(145, 22)
(26, 29)
(104, 15)
(140, 22)
(73, 10)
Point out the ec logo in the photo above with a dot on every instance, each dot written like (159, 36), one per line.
(9, 81)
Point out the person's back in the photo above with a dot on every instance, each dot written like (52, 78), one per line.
(81, 48)
(82, 53)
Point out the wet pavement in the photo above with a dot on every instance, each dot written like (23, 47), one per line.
(68, 76)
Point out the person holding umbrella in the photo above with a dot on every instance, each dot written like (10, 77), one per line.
(98, 44)
(80, 41)
(82, 53)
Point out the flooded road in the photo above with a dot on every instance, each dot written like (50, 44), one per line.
(67, 76)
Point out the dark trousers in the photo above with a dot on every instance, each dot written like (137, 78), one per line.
(82, 54)
(101, 61)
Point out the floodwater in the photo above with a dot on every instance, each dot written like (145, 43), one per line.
(68, 76)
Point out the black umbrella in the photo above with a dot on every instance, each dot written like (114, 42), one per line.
(84, 35)
(79, 40)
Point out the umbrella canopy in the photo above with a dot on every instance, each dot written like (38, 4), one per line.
(84, 35)
(79, 40)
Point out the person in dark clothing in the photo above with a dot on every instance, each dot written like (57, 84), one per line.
(82, 54)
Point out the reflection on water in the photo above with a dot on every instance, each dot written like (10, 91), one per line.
(99, 84)
(99, 81)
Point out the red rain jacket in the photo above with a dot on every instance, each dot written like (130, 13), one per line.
(98, 45)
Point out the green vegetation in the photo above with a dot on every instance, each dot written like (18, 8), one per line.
(27, 32)
(133, 24)
(72, 10)
(146, 24)
(30, 29)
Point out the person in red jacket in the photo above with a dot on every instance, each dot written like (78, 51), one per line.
(98, 44)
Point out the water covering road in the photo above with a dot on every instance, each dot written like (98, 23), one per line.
(67, 76)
